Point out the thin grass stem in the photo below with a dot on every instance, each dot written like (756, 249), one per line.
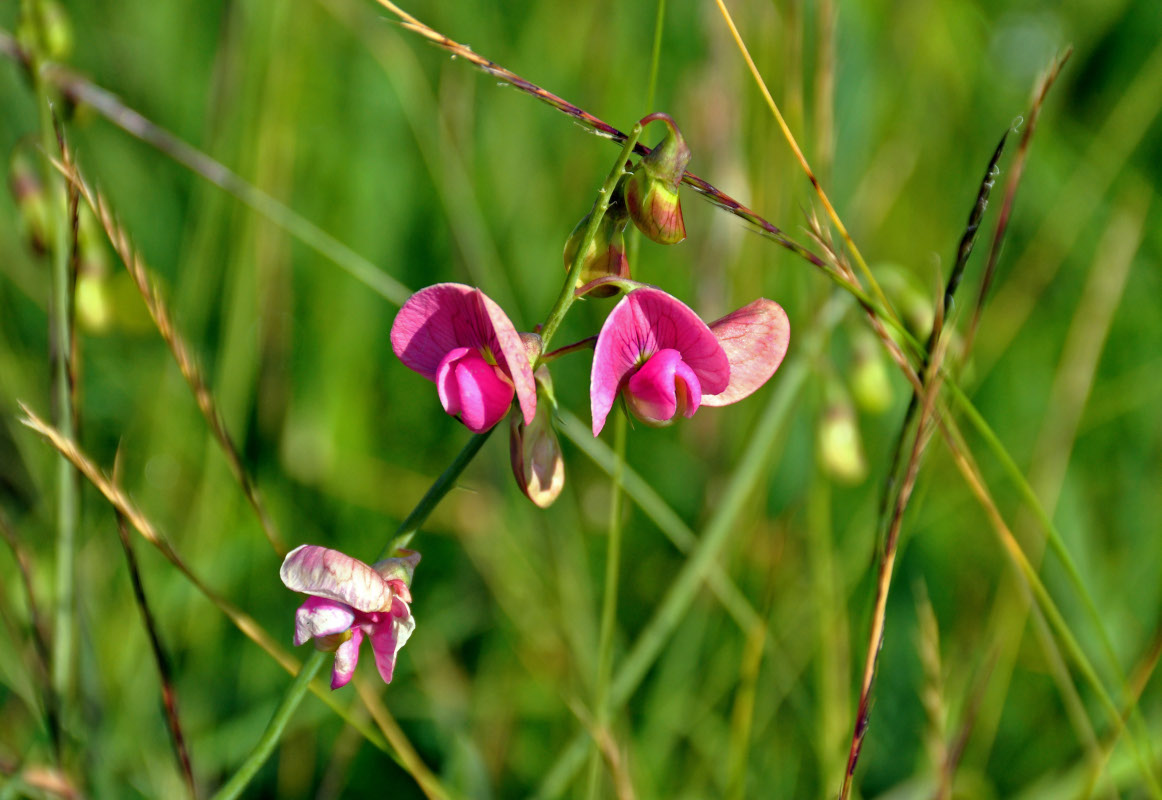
(273, 733)
(790, 137)
(609, 601)
(684, 589)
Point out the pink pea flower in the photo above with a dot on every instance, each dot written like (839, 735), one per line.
(667, 362)
(462, 341)
(350, 600)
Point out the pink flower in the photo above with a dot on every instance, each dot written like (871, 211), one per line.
(461, 340)
(668, 362)
(350, 600)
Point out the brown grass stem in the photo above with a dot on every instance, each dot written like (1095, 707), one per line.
(931, 383)
(148, 531)
(1016, 170)
(182, 355)
(79, 89)
(716, 196)
(37, 629)
(160, 658)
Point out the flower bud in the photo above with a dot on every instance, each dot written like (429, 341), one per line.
(652, 191)
(58, 30)
(916, 308)
(869, 376)
(606, 255)
(840, 448)
(31, 199)
(535, 452)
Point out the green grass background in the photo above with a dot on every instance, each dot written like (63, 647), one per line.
(434, 173)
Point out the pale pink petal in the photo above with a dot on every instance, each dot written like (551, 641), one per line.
(328, 573)
(398, 571)
(446, 316)
(755, 339)
(346, 658)
(387, 637)
(664, 386)
(473, 389)
(642, 323)
(319, 616)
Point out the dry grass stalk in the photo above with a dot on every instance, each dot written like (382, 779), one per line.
(165, 673)
(932, 693)
(1015, 173)
(240, 619)
(931, 389)
(177, 346)
(716, 196)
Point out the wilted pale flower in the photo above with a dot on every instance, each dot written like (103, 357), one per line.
(350, 600)
(461, 340)
(667, 361)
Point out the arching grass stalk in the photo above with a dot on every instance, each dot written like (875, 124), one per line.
(609, 603)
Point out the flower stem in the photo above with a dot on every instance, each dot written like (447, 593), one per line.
(609, 604)
(273, 732)
(297, 691)
(600, 205)
(407, 529)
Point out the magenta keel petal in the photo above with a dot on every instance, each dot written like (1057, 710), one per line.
(474, 389)
(755, 339)
(346, 659)
(645, 322)
(664, 387)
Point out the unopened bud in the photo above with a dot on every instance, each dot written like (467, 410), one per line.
(535, 452)
(652, 191)
(58, 30)
(869, 375)
(840, 447)
(605, 256)
(94, 304)
(916, 308)
(31, 199)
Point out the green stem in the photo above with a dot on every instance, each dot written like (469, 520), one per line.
(60, 338)
(297, 691)
(566, 298)
(609, 604)
(270, 737)
(407, 529)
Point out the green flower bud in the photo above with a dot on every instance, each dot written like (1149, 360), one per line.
(606, 255)
(58, 30)
(839, 445)
(652, 191)
(869, 376)
(31, 199)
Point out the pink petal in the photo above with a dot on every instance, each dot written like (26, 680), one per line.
(645, 321)
(664, 386)
(387, 637)
(755, 339)
(398, 571)
(446, 316)
(473, 389)
(346, 658)
(328, 573)
(319, 616)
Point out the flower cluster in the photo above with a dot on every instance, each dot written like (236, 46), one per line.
(653, 353)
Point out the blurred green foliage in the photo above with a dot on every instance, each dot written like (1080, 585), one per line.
(434, 173)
